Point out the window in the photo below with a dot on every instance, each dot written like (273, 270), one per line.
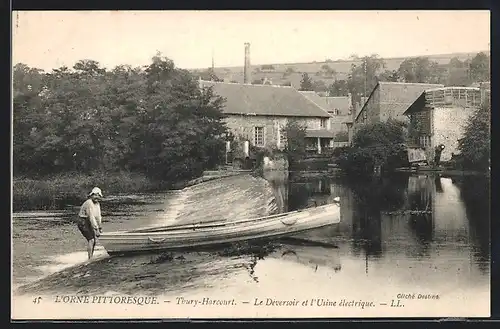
(424, 141)
(335, 111)
(258, 136)
(324, 123)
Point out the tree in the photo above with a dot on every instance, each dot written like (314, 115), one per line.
(295, 146)
(475, 146)
(327, 71)
(267, 67)
(375, 144)
(389, 76)
(153, 120)
(380, 133)
(339, 88)
(480, 67)
(363, 76)
(421, 70)
(458, 73)
(288, 72)
(341, 136)
(415, 69)
(306, 84)
(319, 86)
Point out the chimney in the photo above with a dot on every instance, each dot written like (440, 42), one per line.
(246, 70)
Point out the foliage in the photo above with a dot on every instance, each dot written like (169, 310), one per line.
(389, 76)
(57, 191)
(363, 76)
(338, 88)
(154, 121)
(480, 67)
(380, 133)
(376, 144)
(419, 70)
(475, 146)
(319, 86)
(268, 67)
(327, 71)
(458, 73)
(295, 147)
(306, 84)
(341, 136)
(288, 72)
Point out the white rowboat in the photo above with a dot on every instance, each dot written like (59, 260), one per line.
(206, 234)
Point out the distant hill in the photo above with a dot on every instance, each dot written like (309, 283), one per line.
(277, 73)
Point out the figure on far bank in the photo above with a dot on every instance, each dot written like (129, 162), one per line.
(90, 220)
(437, 154)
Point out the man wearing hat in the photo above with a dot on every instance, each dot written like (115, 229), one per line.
(89, 219)
(437, 154)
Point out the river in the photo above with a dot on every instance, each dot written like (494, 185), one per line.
(399, 236)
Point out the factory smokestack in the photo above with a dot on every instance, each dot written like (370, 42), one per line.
(246, 70)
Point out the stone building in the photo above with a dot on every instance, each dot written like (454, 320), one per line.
(438, 116)
(390, 100)
(339, 109)
(258, 113)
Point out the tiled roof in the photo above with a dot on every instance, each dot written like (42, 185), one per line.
(314, 97)
(446, 96)
(396, 97)
(342, 103)
(265, 100)
(329, 103)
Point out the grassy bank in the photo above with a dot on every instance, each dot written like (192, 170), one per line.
(58, 191)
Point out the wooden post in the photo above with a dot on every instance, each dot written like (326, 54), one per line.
(319, 145)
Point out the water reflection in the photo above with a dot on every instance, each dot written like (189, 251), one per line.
(409, 219)
(412, 230)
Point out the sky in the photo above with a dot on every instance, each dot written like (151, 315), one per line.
(48, 40)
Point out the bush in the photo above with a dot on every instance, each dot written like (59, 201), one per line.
(341, 136)
(295, 148)
(378, 144)
(57, 191)
(475, 146)
(155, 121)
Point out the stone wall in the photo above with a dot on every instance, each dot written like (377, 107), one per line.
(370, 111)
(448, 126)
(243, 125)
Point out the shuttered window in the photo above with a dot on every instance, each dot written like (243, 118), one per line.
(258, 136)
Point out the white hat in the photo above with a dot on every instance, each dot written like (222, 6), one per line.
(97, 191)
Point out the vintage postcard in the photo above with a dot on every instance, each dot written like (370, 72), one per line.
(251, 164)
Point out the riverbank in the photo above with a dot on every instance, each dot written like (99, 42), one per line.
(60, 191)
(42, 247)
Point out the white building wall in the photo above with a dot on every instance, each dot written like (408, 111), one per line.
(448, 127)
